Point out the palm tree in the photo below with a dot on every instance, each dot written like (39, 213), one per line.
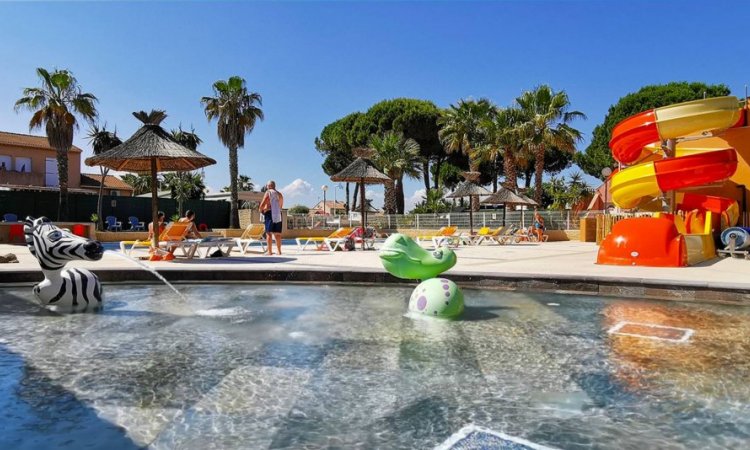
(141, 183)
(503, 138)
(184, 186)
(187, 138)
(462, 131)
(432, 202)
(461, 127)
(244, 183)
(397, 157)
(236, 110)
(55, 105)
(101, 141)
(547, 124)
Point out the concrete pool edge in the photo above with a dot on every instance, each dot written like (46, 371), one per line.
(636, 288)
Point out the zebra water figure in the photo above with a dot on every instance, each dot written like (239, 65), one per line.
(63, 289)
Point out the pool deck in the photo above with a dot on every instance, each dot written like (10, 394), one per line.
(552, 266)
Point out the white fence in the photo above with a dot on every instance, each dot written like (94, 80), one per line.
(553, 220)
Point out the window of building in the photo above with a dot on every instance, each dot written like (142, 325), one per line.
(5, 162)
(114, 193)
(23, 164)
(51, 178)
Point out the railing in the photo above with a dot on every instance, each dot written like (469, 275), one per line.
(12, 177)
(553, 220)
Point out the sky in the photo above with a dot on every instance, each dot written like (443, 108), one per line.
(315, 62)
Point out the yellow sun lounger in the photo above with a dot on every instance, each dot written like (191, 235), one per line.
(133, 244)
(443, 235)
(497, 235)
(253, 233)
(173, 237)
(320, 241)
(173, 230)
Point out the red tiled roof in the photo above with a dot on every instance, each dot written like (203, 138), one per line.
(27, 140)
(110, 182)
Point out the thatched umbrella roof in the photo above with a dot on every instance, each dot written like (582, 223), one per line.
(529, 200)
(363, 172)
(151, 142)
(504, 196)
(507, 197)
(151, 149)
(469, 189)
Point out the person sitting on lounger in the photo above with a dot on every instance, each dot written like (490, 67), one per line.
(538, 229)
(162, 225)
(193, 229)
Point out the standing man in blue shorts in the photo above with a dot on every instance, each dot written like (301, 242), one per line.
(271, 206)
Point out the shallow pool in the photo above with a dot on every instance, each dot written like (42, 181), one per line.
(290, 366)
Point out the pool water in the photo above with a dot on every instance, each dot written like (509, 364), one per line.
(294, 366)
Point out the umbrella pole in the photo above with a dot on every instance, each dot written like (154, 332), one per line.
(471, 215)
(362, 198)
(154, 206)
(505, 209)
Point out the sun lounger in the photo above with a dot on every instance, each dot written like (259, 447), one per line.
(443, 235)
(127, 247)
(253, 233)
(357, 236)
(173, 237)
(132, 245)
(207, 246)
(495, 235)
(526, 235)
(320, 241)
(474, 239)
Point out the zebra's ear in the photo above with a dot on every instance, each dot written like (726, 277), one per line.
(44, 219)
(28, 224)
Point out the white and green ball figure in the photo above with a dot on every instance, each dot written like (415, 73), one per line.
(437, 297)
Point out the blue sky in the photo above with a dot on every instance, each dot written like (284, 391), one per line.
(314, 62)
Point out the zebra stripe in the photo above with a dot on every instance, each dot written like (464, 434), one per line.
(98, 292)
(59, 295)
(84, 286)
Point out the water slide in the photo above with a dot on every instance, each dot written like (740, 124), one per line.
(700, 160)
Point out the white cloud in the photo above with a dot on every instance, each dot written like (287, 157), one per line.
(415, 198)
(297, 188)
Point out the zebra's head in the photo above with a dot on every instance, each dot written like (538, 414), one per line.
(54, 247)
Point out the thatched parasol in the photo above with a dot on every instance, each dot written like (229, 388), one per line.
(151, 149)
(469, 189)
(529, 200)
(363, 172)
(507, 197)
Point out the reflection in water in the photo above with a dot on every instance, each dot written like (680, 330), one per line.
(277, 366)
(718, 348)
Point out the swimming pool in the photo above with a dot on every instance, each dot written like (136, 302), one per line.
(293, 366)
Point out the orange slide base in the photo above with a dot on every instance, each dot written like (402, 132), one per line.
(644, 241)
